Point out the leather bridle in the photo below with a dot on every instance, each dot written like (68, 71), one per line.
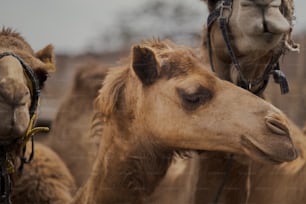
(273, 68)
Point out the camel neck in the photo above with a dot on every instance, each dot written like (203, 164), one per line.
(212, 171)
(252, 70)
(124, 172)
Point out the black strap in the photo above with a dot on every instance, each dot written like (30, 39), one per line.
(5, 180)
(228, 167)
(212, 17)
(280, 78)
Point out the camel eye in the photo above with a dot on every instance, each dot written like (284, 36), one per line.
(194, 100)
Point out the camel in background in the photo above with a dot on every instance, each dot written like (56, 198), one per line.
(164, 102)
(71, 125)
(22, 75)
(259, 34)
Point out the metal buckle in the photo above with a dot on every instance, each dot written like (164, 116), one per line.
(250, 86)
(223, 6)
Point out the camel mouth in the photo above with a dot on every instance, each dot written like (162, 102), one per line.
(254, 150)
(267, 38)
(268, 35)
(8, 142)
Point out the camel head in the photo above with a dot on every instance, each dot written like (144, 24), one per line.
(167, 97)
(16, 88)
(259, 31)
(256, 26)
(88, 78)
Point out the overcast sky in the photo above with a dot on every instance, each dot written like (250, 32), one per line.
(71, 24)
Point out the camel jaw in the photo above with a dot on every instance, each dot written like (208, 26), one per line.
(257, 152)
(7, 142)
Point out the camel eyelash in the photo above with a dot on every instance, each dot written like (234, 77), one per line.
(192, 101)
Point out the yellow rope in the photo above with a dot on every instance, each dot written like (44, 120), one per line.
(10, 167)
(33, 130)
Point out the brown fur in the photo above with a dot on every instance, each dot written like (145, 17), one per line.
(144, 123)
(46, 179)
(304, 129)
(73, 120)
(14, 41)
(43, 59)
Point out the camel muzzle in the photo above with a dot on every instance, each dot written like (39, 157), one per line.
(275, 145)
(285, 151)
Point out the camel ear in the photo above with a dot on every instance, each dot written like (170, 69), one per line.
(145, 64)
(47, 57)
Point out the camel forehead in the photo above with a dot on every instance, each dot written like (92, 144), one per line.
(178, 61)
(182, 64)
(11, 67)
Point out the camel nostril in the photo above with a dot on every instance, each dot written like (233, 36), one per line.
(14, 117)
(292, 155)
(265, 27)
(277, 126)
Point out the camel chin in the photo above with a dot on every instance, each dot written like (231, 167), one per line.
(257, 45)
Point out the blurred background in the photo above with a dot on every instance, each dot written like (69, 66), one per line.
(104, 30)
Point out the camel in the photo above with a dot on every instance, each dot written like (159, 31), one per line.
(255, 45)
(164, 102)
(83, 145)
(22, 75)
(73, 120)
(259, 34)
(271, 31)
